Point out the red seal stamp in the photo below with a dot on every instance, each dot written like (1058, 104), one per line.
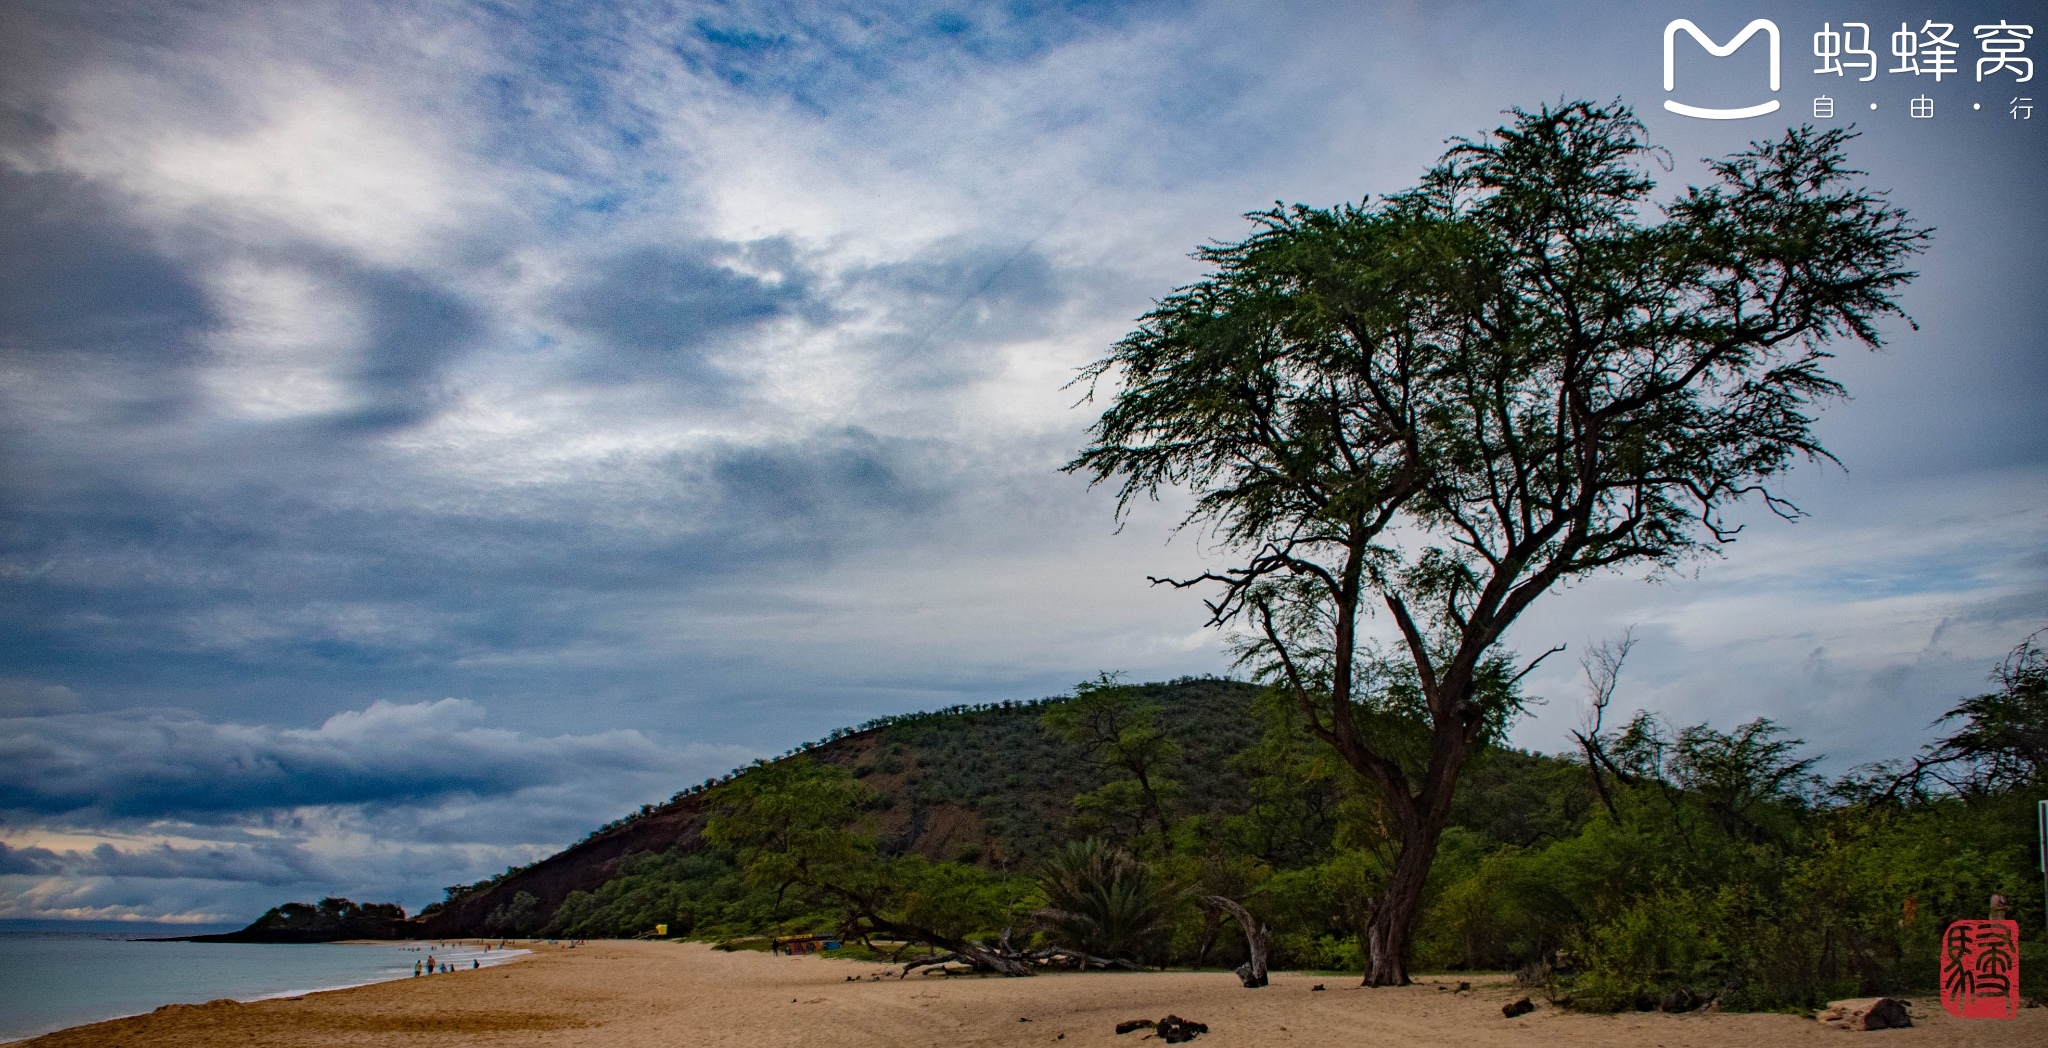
(1980, 969)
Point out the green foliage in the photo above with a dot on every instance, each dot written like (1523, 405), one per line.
(797, 828)
(1118, 730)
(695, 893)
(1722, 870)
(520, 916)
(1101, 899)
(329, 914)
(794, 821)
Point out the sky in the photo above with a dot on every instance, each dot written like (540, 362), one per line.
(429, 431)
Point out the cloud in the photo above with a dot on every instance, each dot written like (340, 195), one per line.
(159, 764)
(20, 696)
(661, 309)
(20, 861)
(148, 813)
(272, 863)
(75, 277)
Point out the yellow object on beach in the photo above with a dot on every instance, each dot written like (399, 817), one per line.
(661, 929)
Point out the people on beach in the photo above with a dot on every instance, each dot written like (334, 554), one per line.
(416, 965)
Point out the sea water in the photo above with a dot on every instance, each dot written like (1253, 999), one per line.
(51, 980)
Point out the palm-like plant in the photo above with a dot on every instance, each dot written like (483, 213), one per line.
(1103, 901)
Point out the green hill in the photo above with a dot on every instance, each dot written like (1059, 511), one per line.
(994, 787)
(988, 785)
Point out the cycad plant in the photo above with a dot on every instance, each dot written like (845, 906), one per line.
(1103, 901)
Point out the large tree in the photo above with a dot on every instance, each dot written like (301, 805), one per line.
(1444, 403)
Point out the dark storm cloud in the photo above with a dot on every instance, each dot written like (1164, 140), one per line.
(157, 764)
(30, 862)
(416, 329)
(286, 556)
(658, 309)
(799, 494)
(74, 278)
(267, 862)
(84, 293)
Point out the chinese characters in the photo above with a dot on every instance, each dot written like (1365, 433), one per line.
(1927, 51)
(1980, 969)
(2003, 42)
(1837, 51)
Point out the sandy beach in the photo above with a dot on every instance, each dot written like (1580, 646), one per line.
(628, 994)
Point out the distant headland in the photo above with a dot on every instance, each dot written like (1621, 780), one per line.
(330, 920)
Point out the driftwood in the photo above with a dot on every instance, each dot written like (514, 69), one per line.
(993, 960)
(1005, 959)
(1258, 936)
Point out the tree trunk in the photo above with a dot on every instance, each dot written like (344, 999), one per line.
(1256, 935)
(1392, 924)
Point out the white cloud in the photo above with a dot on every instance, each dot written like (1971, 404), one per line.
(290, 348)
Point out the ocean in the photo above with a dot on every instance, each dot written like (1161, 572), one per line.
(53, 979)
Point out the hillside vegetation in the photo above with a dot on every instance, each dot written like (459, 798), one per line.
(1661, 866)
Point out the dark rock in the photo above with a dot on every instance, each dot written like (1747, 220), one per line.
(1316, 987)
(1135, 1024)
(1868, 1013)
(1517, 1007)
(1893, 1012)
(1175, 1030)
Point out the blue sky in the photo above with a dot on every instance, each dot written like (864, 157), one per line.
(430, 431)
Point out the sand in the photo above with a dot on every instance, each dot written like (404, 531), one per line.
(629, 994)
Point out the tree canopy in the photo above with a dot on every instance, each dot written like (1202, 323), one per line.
(1443, 403)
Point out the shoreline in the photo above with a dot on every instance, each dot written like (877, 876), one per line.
(632, 994)
(503, 957)
(511, 954)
